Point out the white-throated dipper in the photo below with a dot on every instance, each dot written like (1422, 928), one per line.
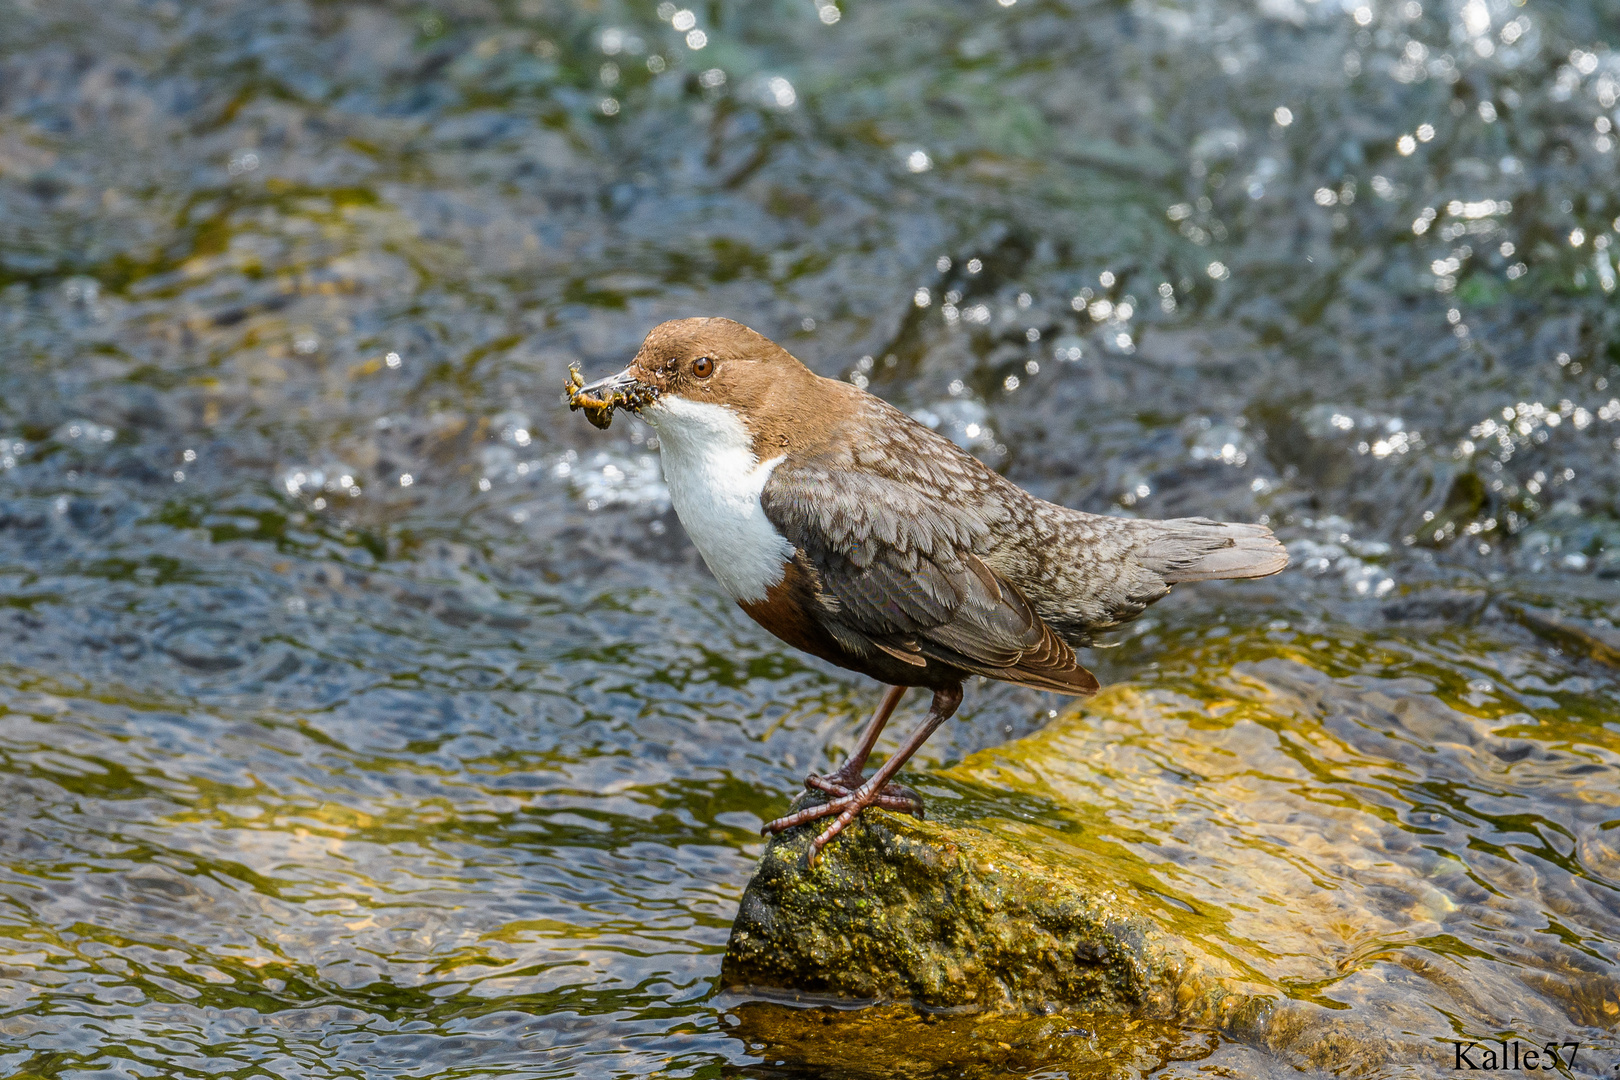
(853, 532)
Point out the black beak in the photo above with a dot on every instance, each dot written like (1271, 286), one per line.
(601, 397)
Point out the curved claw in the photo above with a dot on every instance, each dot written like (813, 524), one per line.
(849, 814)
(826, 784)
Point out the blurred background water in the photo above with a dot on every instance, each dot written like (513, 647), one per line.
(363, 713)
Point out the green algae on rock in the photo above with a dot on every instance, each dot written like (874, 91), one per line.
(902, 908)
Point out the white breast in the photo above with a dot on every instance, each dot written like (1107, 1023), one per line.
(714, 484)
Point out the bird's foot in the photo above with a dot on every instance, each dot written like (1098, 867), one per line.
(841, 781)
(891, 796)
(847, 805)
(848, 779)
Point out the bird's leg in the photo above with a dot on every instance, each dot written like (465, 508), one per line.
(847, 777)
(870, 793)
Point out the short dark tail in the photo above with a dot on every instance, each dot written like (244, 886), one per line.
(1198, 549)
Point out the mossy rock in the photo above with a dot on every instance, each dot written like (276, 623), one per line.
(1179, 856)
(959, 921)
(898, 908)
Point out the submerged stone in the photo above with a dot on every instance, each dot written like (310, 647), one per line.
(899, 1042)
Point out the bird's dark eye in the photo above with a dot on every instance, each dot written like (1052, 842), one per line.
(703, 367)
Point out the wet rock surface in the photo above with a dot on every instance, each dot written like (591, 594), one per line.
(907, 909)
(961, 926)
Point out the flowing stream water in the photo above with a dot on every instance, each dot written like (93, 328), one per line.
(364, 713)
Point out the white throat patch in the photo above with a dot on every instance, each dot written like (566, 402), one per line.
(714, 484)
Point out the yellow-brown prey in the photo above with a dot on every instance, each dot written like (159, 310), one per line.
(599, 405)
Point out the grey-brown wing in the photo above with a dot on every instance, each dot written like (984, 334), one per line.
(896, 572)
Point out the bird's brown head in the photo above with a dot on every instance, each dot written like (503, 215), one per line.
(705, 362)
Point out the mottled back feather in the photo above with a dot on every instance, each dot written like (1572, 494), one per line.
(893, 575)
(920, 550)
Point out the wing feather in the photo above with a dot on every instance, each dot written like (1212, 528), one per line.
(896, 572)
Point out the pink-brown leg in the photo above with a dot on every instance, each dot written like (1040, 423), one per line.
(848, 807)
(847, 777)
